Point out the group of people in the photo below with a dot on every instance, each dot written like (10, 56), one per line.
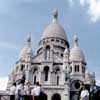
(93, 93)
(23, 91)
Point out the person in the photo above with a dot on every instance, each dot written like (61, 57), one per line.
(12, 91)
(93, 91)
(19, 91)
(84, 94)
(36, 91)
(27, 90)
(42, 93)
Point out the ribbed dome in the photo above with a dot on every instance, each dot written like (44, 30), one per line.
(54, 29)
(76, 54)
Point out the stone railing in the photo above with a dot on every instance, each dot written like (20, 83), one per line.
(4, 97)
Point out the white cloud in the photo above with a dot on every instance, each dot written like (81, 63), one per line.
(93, 8)
(3, 83)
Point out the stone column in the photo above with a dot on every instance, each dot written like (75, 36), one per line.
(67, 91)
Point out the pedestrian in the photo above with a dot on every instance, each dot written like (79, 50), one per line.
(84, 94)
(93, 91)
(12, 91)
(36, 91)
(27, 90)
(20, 91)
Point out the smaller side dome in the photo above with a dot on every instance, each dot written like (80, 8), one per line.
(76, 54)
(27, 50)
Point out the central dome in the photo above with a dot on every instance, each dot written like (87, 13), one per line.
(54, 29)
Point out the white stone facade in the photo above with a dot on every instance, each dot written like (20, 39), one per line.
(52, 63)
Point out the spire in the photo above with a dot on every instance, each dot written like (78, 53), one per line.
(28, 39)
(75, 40)
(55, 15)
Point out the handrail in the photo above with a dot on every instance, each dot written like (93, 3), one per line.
(7, 97)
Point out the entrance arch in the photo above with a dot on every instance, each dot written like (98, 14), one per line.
(56, 97)
(43, 96)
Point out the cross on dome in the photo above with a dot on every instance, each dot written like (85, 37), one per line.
(75, 39)
(28, 39)
(55, 15)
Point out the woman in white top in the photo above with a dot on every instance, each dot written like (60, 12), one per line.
(27, 90)
(36, 91)
(84, 94)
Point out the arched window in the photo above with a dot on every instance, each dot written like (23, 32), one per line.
(76, 68)
(47, 52)
(56, 97)
(22, 67)
(57, 70)
(70, 69)
(83, 69)
(46, 72)
(57, 80)
(35, 75)
(34, 79)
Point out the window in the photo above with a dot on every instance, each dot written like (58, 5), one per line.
(35, 73)
(57, 53)
(57, 40)
(52, 40)
(62, 42)
(22, 67)
(61, 55)
(70, 69)
(46, 72)
(76, 68)
(47, 53)
(83, 69)
(57, 80)
(34, 79)
(43, 42)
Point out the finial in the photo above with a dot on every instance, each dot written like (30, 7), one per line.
(75, 40)
(55, 15)
(28, 39)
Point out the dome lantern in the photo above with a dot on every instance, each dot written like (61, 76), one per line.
(75, 40)
(28, 40)
(55, 16)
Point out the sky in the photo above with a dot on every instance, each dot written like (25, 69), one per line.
(17, 17)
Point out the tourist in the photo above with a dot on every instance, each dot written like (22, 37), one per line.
(42, 94)
(12, 91)
(36, 91)
(93, 91)
(84, 94)
(20, 91)
(27, 90)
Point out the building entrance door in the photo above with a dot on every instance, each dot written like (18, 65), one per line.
(56, 97)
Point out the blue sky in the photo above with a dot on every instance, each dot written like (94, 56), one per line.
(76, 16)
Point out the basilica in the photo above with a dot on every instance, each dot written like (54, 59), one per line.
(59, 68)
